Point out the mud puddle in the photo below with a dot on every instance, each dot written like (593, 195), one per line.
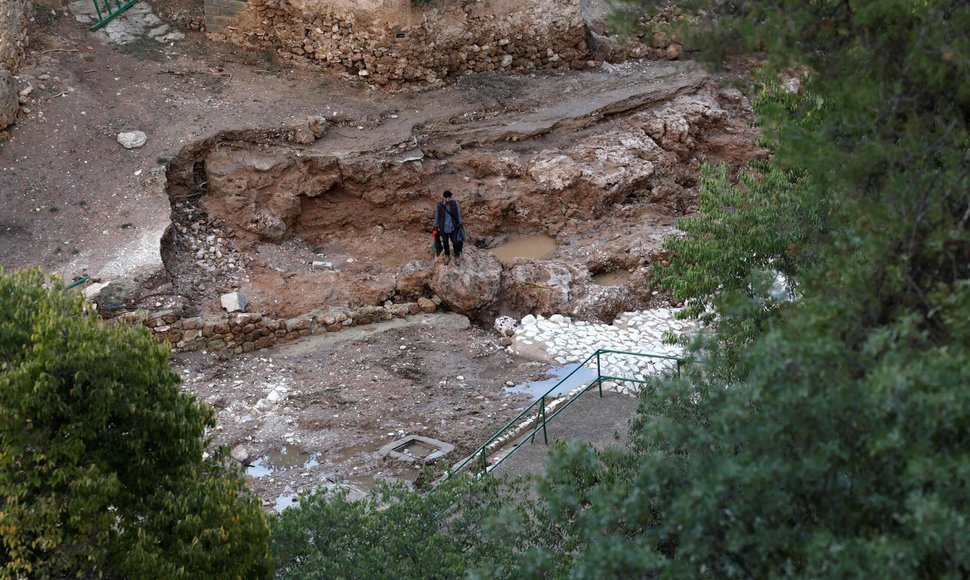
(570, 380)
(282, 459)
(531, 247)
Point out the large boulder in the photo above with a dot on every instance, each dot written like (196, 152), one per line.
(413, 280)
(9, 101)
(542, 287)
(471, 288)
(120, 294)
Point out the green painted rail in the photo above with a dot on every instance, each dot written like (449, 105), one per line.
(77, 283)
(479, 458)
(108, 9)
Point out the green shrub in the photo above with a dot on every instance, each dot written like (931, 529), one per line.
(101, 456)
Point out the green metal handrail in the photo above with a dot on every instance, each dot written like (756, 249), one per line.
(108, 9)
(541, 419)
(77, 282)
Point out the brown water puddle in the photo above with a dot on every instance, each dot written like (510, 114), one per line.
(534, 247)
(618, 278)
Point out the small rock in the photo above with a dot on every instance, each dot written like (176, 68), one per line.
(132, 139)
(234, 302)
(240, 453)
(94, 290)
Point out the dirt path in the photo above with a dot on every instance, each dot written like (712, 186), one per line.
(315, 413)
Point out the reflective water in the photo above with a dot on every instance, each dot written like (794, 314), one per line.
(282, 459)
(285, 501)
(416, 449)
(535, 247)
(392, 261)
(582, 376)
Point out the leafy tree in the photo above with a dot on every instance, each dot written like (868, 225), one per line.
(461, 528)
(829, 436)
(101, 456)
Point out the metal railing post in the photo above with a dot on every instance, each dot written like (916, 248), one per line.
(599, 374)
(542, 409)
(484, 463)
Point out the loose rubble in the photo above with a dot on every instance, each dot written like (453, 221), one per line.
(562, 340)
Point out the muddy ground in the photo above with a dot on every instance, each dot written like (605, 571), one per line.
(344, 396)
(73, 201)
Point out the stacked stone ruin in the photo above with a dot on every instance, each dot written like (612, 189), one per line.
(243, 332)
(402, 43)
(14, 15)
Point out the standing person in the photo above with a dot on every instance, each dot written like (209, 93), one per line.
(447, 218)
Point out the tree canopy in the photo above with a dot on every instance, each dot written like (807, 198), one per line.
(101, 456)
(826, 435)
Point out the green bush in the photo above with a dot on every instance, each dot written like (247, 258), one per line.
(825, 436)
(464, 528)
(101, 465)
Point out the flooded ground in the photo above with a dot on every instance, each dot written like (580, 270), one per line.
(532, 247)
(564, 379)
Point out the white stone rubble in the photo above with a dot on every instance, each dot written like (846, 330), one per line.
(132, 139)
(561, 340)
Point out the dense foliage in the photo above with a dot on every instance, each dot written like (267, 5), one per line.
(463, 528)
(826, 435)
(101, 456)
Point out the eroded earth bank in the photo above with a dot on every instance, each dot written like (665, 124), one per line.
(316, 206)
(567, 194)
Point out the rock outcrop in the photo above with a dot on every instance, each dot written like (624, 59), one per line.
(9, 99)
(14, 15)
(472, 287)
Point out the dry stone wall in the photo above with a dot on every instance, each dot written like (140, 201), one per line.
(397, 42)
(14, 15)
(218, 13)
(248, 331)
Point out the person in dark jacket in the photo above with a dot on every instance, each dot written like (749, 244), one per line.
(447, 218)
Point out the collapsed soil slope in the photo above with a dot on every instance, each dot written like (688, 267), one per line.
(602, 163)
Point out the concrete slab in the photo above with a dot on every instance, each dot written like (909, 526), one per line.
(599, 421)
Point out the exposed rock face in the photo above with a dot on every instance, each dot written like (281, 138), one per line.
(9, 100)
(14, 15)
(605, 175)
(542, 287)
(471, 288)
(392, 42)
(413, 280)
